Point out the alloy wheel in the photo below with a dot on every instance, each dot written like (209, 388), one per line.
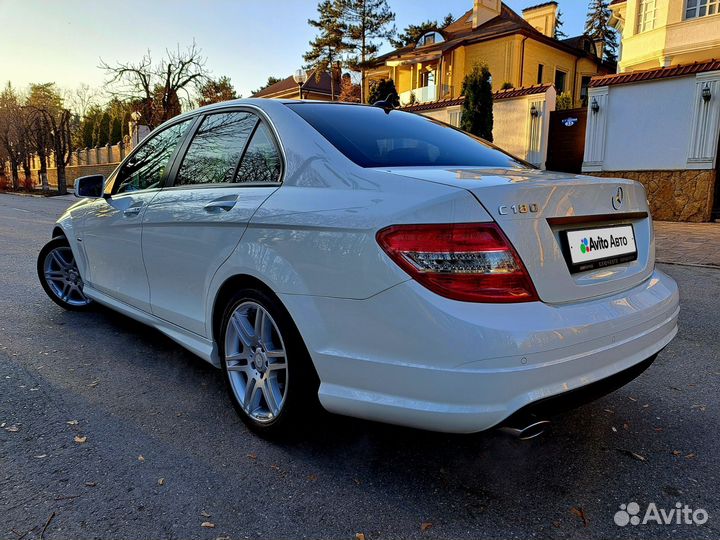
(256, 362)
(63, 278)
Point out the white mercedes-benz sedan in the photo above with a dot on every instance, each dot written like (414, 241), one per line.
(378, 262)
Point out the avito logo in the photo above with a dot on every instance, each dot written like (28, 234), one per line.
(589, 244)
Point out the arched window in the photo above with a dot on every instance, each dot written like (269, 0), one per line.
(430, 38)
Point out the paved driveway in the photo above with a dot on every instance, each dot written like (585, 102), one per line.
(688, 243)
(163, 451)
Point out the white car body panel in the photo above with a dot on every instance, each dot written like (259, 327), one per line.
(184, 243)
(385, 347)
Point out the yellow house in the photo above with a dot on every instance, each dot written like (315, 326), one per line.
(661, 33)
(519, 51)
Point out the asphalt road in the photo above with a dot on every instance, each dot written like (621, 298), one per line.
(164, 452)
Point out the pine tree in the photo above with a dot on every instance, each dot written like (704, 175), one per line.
(559, 34)
(477, 109)
(598, 28)
(217, 91)
(329, 45)
(368, 22)
(382, 90)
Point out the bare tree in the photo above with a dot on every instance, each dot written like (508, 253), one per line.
(81, 99)
(158, 88)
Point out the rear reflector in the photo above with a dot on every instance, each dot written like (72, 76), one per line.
(472, 262)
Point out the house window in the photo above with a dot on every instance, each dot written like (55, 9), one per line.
(646, 15)
(584, 85)
(541, 69)
(560, 80)
(701, 8)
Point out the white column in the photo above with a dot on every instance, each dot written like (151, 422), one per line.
(596, 130)
(705, 126)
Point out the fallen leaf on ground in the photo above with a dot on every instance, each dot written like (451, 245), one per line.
(614, 429)
(676, 453)
(91, 484)
(312, 477)
(358, 482)
(632, 454)
(425, 526)
(204, 514)
(80, 439)
(579, 512)
(141, 458)
(276, 467)
(691, 455)
(252, 455)
(161, 481)
(12, 429)
(207, 525)
(93, 384)
(632, 398)
(698, 407)
(359, 536)
(40, 456)
(72, 422)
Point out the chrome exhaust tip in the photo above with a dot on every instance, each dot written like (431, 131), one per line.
(534, 428)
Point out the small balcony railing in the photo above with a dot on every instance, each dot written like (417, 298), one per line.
(425, 94)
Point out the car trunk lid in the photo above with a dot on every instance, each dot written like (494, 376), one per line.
(535, 209)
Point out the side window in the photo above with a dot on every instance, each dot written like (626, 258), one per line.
(261, 162)
(146, 167)
(216, 148)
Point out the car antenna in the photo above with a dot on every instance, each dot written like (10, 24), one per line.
(388, 104)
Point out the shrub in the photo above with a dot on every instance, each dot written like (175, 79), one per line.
(564, 102)
(477, 109)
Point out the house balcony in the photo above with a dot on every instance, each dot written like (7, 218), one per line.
(425, 94)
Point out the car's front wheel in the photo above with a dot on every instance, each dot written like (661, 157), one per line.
(269, 374)
(59, 275)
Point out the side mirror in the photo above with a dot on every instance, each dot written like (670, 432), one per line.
(90, 186)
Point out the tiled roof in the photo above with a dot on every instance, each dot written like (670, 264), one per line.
(311, 85)
(499, 95)
(617, 2)
(654, 74)
(519, 92)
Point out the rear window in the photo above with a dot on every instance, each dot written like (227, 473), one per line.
(371, 137)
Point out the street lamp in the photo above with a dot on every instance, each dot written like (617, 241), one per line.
(300, 78)
(534, 112)
(595, 106)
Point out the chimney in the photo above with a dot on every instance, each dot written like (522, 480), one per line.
(542, 17)
(484, 10)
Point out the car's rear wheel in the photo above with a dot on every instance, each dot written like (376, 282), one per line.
(269, 374)
(60, 277)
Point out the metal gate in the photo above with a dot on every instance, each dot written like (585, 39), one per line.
(566, 140)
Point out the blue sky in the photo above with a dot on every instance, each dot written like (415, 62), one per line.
(63, 41)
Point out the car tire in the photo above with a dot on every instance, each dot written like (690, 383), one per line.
(268, 372)
(60, 277)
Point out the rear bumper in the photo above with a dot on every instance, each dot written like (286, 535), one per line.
(410, 357)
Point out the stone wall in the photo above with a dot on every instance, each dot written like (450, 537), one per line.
(74, 172)
(685, 195)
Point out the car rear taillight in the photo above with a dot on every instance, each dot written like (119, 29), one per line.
(472, 262)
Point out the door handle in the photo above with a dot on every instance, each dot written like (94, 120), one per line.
(225, 204)
(132, 211)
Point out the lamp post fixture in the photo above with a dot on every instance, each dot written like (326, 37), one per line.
(595, 106)
(300, 78)
(706, 93)
(534, 112)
